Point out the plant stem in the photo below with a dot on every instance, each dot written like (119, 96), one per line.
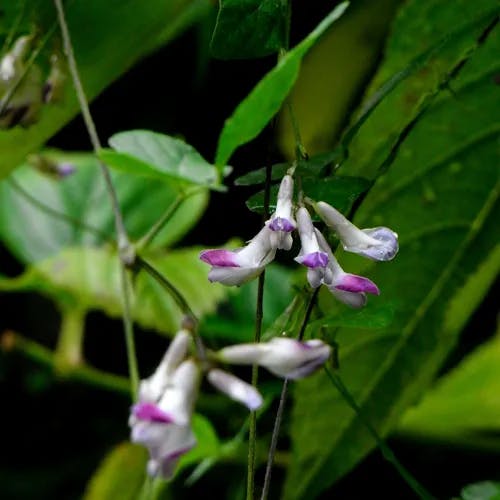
(124, 248)
(68, 353)
(158, 226)
(11, 341)
(274, 441)
(13, 29)
(388, 454)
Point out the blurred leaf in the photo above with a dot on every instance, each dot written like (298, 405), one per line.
(264, 101)
(121, 474)
(32, 234)
(463, 407)
(150, 154)
(250, 28)
(334, 74)
(207, 443)
(90, 278)
(341, 190)
(486, 490)
(441, 196)
(103, 54)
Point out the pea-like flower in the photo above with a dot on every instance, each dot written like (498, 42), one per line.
(350, 289)
(311, 255)
(242, 265)
(284, 357)
(235, 388)
(281, 222)
(378, 243)
(161, 419)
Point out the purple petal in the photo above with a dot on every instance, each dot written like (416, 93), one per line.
(151, 413)
(388, 247)
(354, 300)
(281, 224)
(64, 169)
(356, 284)
(314, 259)
(219, 258)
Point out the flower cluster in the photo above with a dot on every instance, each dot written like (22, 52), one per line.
(241, 265)
(161, 419)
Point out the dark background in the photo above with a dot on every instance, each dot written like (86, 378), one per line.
(54, 434)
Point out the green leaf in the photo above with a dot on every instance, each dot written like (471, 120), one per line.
(121, 474)
(158, 156)
(463, 406)
(341, 190)
(33, 234)
(265, 100)
(249, 28)
(441, 196)
(312, 167)
(103, 54)
(90, 278)
(485, 490)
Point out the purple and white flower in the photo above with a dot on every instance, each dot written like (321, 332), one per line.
(281, 222)
(378, 243)
(311, 255)
(235, 388)
(350, 289)
(242, 265)
(161, 419)
(285, 357)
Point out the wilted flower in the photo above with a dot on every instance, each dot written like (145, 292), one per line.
(161, 419)
(379, 243)
(239, 266)
(310, 254)
(348, 288)
(282, 222)
(235, 388)
(46, 165)
(285, 357)
(53, 88)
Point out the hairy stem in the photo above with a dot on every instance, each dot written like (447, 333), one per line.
(124, 248)
(388, 454)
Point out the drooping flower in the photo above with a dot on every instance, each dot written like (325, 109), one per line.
(235, 388)
(350, 289)
(378, 243)
(242, 265)
(285, 357)
(161, 419)
(311, 255)
(281, 222)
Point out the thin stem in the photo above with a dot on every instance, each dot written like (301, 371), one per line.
(259, 315)
(274, 441)
(68, 352)
(300, 150)
(158, 226)
(308, 313)
(123, 242)
(14, 28)
(179, 299)
(384, 448)
(13, 342)
(124, 248)
(53, 212)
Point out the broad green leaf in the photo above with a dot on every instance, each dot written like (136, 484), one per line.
(102, 53)
(249, 28)
(121, 474)
(90, 278)
(463, 406)
(154, 155)
(33, 234)
(340, 190)
(486, 490)
(422, 64)
(441, 196)
(265, 100)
